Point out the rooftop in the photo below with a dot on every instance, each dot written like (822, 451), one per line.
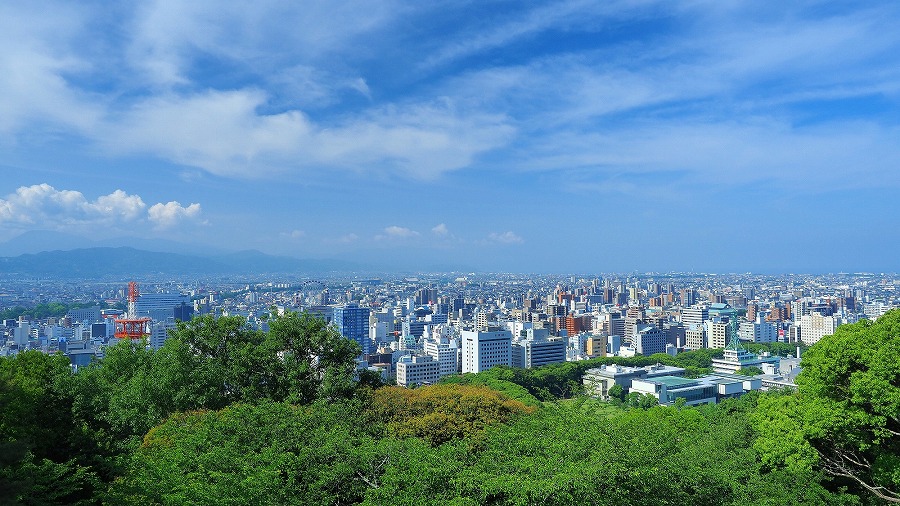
(673, 381)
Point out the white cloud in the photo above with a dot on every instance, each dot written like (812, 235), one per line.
(42, 205)
(120, 203)
(395, 232)
(225, 134)
(166, 37)
(35, 58)
(440, 230)
(293, 234)
(726, 153)
(508, 237)
(170, 214)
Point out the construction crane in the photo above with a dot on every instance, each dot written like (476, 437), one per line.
(132, 327)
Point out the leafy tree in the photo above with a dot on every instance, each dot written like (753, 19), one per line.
(565, 454)
(639, 400)
(317, 361)
(440, 413)
(845, 416)
(617, 392)
(207, 363)
(37, 464)
(750, 371)
(268, 453)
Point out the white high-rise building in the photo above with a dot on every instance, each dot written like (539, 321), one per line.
(485, 349)
(759, 331)
(159, 332)
(695, 315)
(417, 370)
(22, 333)
(814, 326)
(445, 351)
(717, 333)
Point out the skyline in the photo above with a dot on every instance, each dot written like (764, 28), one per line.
(560, 137)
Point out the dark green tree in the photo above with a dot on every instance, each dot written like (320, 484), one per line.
(266, 453)
(37, 448)
(845, 416)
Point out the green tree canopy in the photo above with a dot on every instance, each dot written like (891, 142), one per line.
(268, 453)
(209, 363)
(36, 443)
(845, 417)
(440, 413)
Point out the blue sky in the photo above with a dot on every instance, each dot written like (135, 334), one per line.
(571, 136)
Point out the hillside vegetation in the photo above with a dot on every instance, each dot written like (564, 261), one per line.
(223, 414)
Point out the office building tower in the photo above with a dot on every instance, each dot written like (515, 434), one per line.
(352, 322)
(485, 349)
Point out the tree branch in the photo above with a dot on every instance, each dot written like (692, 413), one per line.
(374, 485)
(838, 468)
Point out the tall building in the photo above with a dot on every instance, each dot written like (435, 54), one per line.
(150, 303)
(352, 322)
(615, 325)
(446, 352)
(695, 337)
(688, 297)
(577, 324)
(538, 349)
(815, 326)
(417, 370)
(649, 339)
(84, 315)
(695, 315)
(633, 317)
(718, 334)
(485, 349)
(758, 331)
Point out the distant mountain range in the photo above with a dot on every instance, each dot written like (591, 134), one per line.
(105, 261)
(58, 254)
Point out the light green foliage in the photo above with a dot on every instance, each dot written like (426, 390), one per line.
(750, 371)
(566, 454)
(440, 413)
(641, 401)
(845, 417)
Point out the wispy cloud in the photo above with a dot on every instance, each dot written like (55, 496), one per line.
(293, 234)
(224, 134)
(508, 237)
(558, 15)
(396, 232)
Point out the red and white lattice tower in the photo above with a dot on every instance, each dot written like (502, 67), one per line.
(132, 327)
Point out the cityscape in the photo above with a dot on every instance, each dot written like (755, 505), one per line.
(414, 330)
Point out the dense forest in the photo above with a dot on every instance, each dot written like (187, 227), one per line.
(223, 414)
